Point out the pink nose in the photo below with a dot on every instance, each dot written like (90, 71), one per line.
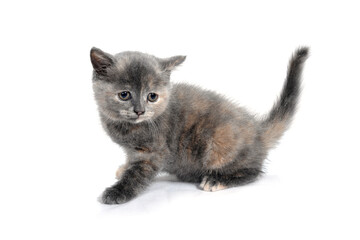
(139, 112)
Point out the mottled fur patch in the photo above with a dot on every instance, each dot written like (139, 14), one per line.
(273, 133)
(223, 147)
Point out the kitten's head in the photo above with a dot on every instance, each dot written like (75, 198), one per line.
(131, 86)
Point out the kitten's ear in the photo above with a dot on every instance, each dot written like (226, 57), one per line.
(168, 64)
(100, 60)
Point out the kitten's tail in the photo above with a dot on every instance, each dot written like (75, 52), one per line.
(281, 115)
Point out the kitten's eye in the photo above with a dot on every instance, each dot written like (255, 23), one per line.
(153, 97)
(124, 95)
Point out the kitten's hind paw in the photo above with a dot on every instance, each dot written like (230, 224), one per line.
(112, 196)
(210, 184)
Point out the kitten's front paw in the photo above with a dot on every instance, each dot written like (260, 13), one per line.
(112, 195)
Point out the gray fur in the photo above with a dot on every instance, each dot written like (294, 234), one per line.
(197, 135)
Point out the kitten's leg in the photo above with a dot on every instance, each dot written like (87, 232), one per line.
(216, 181)
(135, 179)
(120, 171)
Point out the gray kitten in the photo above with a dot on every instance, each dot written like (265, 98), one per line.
(197, 135)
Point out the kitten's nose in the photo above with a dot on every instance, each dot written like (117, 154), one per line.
(139, 112)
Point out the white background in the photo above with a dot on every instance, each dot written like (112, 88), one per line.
(56, 158)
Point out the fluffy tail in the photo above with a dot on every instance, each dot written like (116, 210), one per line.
(281, 115)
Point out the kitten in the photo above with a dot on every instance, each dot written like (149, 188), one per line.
(195, 134)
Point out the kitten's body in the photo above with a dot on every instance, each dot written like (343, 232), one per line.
(195, 134)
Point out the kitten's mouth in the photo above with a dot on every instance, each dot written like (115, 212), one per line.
(137, 119)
